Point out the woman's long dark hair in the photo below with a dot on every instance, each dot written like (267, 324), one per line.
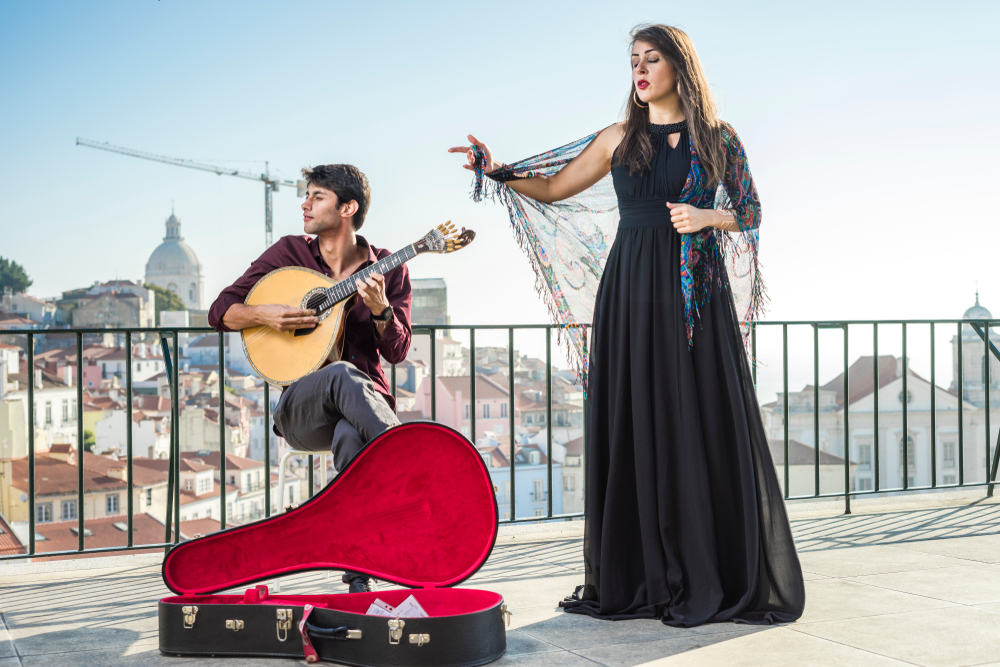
(636, 149)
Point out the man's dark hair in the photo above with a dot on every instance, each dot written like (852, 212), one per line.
(347, 182)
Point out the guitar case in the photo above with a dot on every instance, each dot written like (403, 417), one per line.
(415, 507)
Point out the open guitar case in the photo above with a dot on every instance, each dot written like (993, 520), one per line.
(415, 507)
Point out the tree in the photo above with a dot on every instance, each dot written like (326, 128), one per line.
(13, 275)
(89, 442)
(166, 299)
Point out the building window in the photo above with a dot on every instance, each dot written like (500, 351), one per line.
(863, 484)
(43, 513)
(530, 419)
(65, 410)
(48, 413)
(466, 410)
(72, 416)
(486, 410)
(539, 513)
(229, 511)
(911, 459)
(503, 410)
(149, 497)
(538, 492)
(111, 503)
(949, 455)
(535, 457)
(505, 493)
(541, 420)
(506, 516)
(188, 485)
(864, 457)
(291, 495)
(487, 459)
(204, 485)
(950, 480)
(68, 510)
(569, 483)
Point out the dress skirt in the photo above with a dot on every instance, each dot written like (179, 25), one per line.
(685, 520)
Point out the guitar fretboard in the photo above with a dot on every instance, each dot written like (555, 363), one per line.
(347, 287)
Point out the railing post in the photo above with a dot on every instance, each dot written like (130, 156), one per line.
(847, 426)
(176, 451)
(986, 391)
(79, 441)
(222, 430)
(472, 385)
(169, 366)
(876, 474)
(961, 416)
(933, 414)
(433, 374)
(267, 450)
(510, 398)
(816, 408)
(906, 431)
(128, 426)
(784, 373)
(548, 412)
(31, 444)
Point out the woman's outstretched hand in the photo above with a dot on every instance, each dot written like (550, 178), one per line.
(489, 166)
(688, 219)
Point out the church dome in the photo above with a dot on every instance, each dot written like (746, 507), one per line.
(977, 312)
(173, 257)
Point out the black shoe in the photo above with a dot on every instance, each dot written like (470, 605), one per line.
(359, 583)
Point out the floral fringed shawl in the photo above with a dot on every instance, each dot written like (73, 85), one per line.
(567, 242)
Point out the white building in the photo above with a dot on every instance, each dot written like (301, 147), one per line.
(175, 266)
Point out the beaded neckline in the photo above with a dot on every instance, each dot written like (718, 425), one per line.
(669, 128)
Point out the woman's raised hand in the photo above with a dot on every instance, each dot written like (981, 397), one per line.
(488, 167)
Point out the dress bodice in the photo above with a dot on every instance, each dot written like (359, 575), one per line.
(667, 173)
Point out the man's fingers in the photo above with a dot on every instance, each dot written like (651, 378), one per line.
(378, 277)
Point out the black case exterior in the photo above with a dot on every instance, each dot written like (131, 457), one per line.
(466, 640)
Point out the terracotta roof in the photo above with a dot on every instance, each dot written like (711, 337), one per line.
(574, 447)
(142, 475)
(49, 380)
(151, 403)
(61, 448)
(485, 388)
(9, 544)
(410, 415)
(206, 341)
(163, 465)
(403, 393)
(233, 462)
(801, 454)
(199, 526)
(7, 346)
(498, 458)
(110, 531)
(55, 477)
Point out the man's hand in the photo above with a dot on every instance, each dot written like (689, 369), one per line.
(285, 318)
(372, 291)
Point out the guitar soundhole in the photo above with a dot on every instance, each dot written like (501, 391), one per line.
(313, 303)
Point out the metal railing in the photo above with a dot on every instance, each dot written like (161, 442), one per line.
(168, 338)
(980, 327)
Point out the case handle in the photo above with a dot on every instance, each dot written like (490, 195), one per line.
(343, 633)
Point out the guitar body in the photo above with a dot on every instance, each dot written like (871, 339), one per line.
(282, 357)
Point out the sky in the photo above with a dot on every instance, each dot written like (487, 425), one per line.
(870, 128)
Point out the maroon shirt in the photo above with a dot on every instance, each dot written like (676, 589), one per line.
(361, 343)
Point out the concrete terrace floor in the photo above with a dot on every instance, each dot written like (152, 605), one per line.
(901, 581)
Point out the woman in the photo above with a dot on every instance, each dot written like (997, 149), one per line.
(684, 516)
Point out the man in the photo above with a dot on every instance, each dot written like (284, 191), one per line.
(345, 404)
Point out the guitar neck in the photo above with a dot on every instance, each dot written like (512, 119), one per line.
(348, 287)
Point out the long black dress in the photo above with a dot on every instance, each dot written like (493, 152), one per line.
(684, 516)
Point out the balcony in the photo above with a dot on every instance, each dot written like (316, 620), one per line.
(902, 570)
(915, 581)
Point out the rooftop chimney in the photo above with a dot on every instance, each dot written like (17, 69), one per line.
(68, 374)
(38, 378)
(118, 472)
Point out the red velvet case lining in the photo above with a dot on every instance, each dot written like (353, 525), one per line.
(415, 507)
(435, 601)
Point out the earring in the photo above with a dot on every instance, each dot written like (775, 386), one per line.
(635, 98)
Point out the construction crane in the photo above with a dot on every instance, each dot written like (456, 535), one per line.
(270, 184)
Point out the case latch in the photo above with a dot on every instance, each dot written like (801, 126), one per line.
(285, 619)
(189, 614)
(419, 640)
(234, 625)
(396, 630)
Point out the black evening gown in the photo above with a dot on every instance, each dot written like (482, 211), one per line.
(685, 520)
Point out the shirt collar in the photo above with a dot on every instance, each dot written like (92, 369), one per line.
(314, 247)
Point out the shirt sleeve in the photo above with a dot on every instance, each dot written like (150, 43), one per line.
(395, 341)
(738, 182)
(237, 292)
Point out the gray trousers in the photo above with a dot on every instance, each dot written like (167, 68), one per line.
(335, 409)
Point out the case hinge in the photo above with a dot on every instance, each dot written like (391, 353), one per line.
(420, 640)
(189, 615)
(396, 630)
(234, 625)
(286, 617)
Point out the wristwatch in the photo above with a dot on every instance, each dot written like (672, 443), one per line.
(386, 315)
